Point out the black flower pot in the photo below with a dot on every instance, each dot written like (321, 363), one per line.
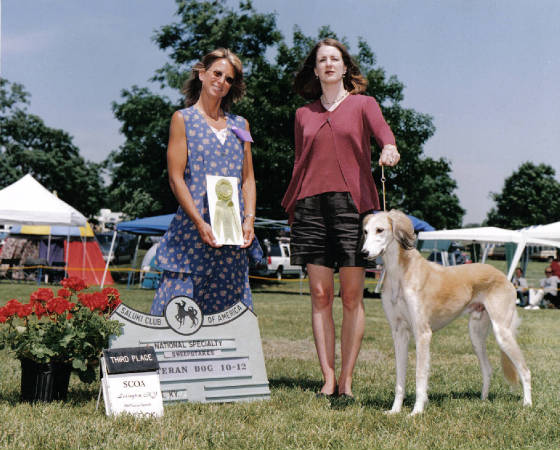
(44, 382)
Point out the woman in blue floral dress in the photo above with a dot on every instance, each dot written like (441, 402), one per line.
(205, 139)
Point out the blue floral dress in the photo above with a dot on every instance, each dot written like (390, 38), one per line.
(215, 278)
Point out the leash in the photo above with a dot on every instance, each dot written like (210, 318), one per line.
(383, 179)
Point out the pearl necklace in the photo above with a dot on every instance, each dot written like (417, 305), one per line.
(327, 105)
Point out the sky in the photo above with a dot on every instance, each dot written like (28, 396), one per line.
(487, 71)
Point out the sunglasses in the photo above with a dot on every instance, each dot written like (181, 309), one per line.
(217, 74)
(547, 272)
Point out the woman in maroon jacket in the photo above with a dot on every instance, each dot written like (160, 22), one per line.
(331, 190)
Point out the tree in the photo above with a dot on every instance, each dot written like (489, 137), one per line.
(530, 196)
(270, 105)
(139, 184)
(27, 145)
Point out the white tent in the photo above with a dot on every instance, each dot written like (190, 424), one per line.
(481, 234)
(550, 231)
(28, 202)
(548, 235)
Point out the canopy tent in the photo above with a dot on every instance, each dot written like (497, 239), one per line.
(150, 226)
(54, 230)
(549, 231)
(146, 226)
(82, 256)
(35, 211)
(545, 236)
(420, 225)
(28, 202)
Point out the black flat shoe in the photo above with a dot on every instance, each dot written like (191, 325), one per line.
(329, 396)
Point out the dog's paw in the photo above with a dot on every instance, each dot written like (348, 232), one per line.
(392, 412)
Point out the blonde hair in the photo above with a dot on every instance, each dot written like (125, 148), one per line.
(192, 87)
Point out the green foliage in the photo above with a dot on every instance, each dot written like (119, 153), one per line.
(269, 106)
(530, 196)
(27, 145)
(56, 329)
(139, 185)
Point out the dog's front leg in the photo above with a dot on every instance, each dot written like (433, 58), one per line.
(423, 338)
(401, 336)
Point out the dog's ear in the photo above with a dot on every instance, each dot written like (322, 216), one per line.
(362, 239)
(402, 229)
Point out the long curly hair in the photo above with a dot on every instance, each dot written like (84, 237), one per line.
(308, 85)
(192, 87)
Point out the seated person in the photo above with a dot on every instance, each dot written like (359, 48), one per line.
(521, 286)
(547, 296)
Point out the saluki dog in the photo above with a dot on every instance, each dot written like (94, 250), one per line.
(420, 297)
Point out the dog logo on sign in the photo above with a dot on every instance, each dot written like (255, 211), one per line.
(183, 315)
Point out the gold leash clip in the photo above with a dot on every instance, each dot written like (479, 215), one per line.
(383, 179)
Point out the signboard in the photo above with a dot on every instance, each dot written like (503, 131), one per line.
(202, 358)
(130, 382)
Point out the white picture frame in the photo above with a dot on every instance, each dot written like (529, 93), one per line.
(225, 215)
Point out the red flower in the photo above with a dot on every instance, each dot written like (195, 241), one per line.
(42, 294)
(64, 293)
(59, 305)
(75, 284)
(25, 310)
(93, 300)
(12, 307)
(3, 315)
(113, 297)
(40, 310)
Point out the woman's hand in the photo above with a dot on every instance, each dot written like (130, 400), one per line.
(390, 156)
(248, 231)
(206, 234)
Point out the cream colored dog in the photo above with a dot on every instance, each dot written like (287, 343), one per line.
(420, 297)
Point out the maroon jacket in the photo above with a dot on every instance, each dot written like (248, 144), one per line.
(354, 121)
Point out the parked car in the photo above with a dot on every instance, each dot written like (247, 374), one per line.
(278, 259)
(123, 250)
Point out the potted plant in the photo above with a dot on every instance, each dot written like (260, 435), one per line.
(54, 334)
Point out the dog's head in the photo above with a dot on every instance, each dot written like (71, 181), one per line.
(381, 229)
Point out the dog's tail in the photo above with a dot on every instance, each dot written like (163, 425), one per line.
(510, 372)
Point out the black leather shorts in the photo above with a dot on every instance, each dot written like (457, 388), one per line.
(327, 231)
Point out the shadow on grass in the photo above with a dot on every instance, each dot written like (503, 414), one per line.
(295, 383)
(436, 399)
(77, 397)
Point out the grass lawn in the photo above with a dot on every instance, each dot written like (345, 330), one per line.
(455, 417)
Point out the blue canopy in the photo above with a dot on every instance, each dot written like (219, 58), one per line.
(420, 225)
(158, 225)
(153, 226)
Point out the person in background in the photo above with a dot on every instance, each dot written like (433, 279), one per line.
(555, 265)
(547, 295)
(330, 192)
(521, 287)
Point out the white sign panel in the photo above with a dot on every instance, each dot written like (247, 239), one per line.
(137, 393)
(202, 358)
